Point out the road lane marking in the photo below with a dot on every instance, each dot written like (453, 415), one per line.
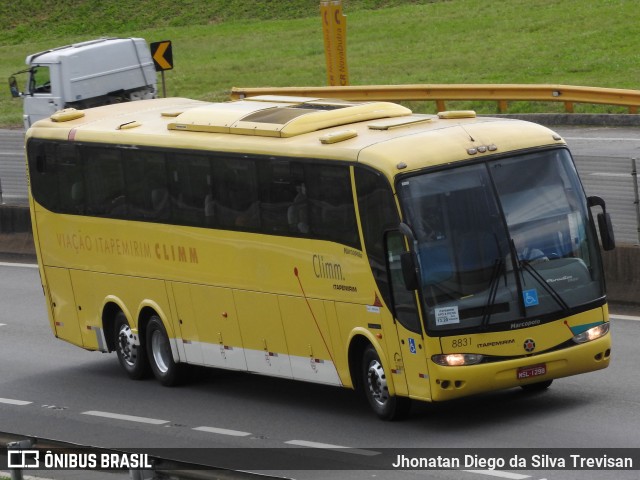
(624, 317)
(223, 431)
(18, 265)
(498, 473)
(3, 324)
(328, 446)
(129, 418)
(11, 401)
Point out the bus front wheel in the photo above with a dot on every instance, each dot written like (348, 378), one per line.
(131, 352)
(164, 367)
(374, 383)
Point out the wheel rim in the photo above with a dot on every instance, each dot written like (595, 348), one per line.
(161, 351)
(127, 345)
(377, 382)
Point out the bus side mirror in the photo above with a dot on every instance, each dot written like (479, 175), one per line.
(13, 86)
(409, 270)
(604, 224)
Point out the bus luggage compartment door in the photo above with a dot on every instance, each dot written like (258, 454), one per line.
(62, 305)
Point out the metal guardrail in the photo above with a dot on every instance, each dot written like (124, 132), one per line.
(161, 468)
(500, 93)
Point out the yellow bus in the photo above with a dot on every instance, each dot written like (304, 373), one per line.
(423, 257)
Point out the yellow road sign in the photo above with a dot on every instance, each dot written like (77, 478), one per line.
(162, 55)
(334, 27)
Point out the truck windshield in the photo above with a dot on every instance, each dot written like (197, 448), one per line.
(502, 243)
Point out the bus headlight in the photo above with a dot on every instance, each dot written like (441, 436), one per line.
(592, 334)
(457, 359)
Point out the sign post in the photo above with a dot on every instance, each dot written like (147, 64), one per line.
(162, 54)
(334, 28)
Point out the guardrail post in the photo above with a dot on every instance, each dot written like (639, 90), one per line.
(502, 106)
(16, 473)
(634, 174)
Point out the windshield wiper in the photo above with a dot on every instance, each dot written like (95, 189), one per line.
(526, 265)
(493, 291)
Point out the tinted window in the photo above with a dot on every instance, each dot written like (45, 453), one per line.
(147, 189)
(267, 195)
(191, 189)
(104, 182)
(331, 206)
(236, 203)
(378, 213)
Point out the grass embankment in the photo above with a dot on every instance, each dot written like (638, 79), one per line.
(217, 45)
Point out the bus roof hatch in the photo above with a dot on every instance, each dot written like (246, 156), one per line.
(281, 117)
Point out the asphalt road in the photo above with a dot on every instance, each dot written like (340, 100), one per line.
(54, 390)
(603, 157)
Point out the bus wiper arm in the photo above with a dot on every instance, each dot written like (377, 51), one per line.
(526, 265)
(493, 291)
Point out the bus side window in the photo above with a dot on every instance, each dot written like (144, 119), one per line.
(71, 184)
(277, 193)
(404, 301)
(42, 173)
(378, 213)
(236, 194)
(191, 190)
(147, 189)
(331, 212)
(104, 187)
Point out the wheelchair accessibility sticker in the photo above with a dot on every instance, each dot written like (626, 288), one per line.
(530, 298)
(412, 345)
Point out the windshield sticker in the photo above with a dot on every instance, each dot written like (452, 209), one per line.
(447, 315)
(530, 298)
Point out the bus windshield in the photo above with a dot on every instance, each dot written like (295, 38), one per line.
(502, 244)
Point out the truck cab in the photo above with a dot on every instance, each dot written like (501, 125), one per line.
(84, 75)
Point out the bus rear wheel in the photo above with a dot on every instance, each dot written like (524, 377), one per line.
(163, 366)
(374, 383)
(131, 352)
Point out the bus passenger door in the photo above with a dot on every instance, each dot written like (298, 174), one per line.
(407, 319)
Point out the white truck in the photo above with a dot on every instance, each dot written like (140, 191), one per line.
(85, 75)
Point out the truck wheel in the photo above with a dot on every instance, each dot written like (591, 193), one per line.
(374, 383)
(164, 368)
(131, 352)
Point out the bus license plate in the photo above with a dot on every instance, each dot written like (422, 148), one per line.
(534, 371)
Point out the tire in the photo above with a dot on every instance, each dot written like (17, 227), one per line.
(163, 366)
(374, 385)
(537, 387)
(131, 352)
